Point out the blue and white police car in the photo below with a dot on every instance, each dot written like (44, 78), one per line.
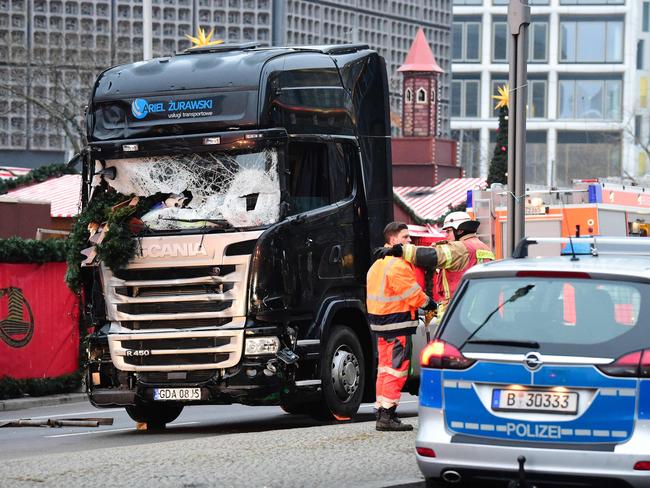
(539, 374)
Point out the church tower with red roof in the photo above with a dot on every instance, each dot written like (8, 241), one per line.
(420, 156)
(420, 90)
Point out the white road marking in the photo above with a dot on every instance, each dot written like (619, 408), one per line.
(98, 412)
(111, 430)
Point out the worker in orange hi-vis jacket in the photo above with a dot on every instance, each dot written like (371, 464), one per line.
(393, 299)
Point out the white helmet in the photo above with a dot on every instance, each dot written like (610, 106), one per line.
(454, 219)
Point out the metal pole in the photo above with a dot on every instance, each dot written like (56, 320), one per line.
(518, 21)
(146, 30)
(279, 36)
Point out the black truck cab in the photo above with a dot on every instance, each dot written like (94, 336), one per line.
(266, 174)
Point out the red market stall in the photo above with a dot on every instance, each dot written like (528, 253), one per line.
(39, 324)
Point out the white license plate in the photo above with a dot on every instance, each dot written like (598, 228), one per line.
(175, 394)
(565, 402)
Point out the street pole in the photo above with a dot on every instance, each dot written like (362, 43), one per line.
(518, 21)
(146, 30)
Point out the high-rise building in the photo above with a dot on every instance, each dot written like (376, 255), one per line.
(587, 86)
(53, 49)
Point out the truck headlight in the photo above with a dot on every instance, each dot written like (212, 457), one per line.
(262, 345)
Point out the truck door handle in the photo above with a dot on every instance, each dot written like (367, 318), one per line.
(335, 254)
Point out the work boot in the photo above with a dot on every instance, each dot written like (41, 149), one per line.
(386, 421)
(393, 414)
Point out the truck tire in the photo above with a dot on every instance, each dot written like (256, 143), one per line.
(155, 415)
(343, 375)
(297, 408)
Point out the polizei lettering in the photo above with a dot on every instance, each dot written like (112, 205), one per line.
(173, 250)
(178, 105)
(539, 431)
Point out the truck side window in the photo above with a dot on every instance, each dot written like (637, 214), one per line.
(319, 175)
(341, 155)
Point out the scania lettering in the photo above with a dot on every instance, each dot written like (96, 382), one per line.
(267, 182)
(173, 250)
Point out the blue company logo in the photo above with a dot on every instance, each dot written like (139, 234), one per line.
(139, 108)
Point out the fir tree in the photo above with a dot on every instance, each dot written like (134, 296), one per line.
(497, 172)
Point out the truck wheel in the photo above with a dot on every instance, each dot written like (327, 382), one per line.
(296, 408)
(153, 414)
(343, 374)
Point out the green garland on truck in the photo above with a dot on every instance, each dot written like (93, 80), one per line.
(119, 245)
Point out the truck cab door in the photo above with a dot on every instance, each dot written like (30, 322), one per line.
(324, 233)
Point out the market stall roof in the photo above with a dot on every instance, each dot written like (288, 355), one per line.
(430, 202)
(9, 172)
(63, 193)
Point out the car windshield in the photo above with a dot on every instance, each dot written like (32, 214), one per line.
(565, 316)
(234, 189)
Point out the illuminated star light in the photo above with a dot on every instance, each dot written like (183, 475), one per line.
(503, 97)
(202, 40)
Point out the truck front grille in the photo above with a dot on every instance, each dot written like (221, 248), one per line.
(176, 360)
(173, 307)
(174, 351)
(153, 274)
(180, 305)
(174, 324)
(179, 343)
(176, 293)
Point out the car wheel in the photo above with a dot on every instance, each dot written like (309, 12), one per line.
(154, 415)
(343, 375)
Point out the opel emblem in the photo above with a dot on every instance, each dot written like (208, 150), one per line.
(533, 361)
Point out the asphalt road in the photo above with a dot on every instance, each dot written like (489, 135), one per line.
(230, 445)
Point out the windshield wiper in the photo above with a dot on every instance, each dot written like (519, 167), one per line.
(505, 342)
(223, 224)
(519, 292)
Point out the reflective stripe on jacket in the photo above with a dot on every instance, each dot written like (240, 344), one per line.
(451, 259)
(393, 297)
(448, 278)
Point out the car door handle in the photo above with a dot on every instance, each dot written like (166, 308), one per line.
(335, 254)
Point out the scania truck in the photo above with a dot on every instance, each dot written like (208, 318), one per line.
(271, 179)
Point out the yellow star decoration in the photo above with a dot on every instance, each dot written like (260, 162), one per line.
(503, 97)
(202, 40)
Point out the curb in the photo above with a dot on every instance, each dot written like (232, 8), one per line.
(31, 402)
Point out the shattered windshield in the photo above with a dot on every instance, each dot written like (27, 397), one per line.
(201, 189)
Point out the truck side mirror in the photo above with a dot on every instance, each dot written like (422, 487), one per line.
(74, 161)
(109, 173)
